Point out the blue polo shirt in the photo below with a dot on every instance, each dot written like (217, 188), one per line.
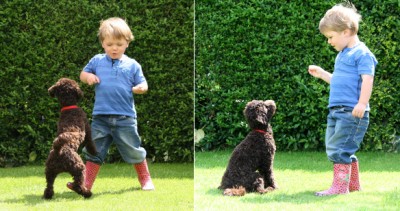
(350, 64)
(113, 95)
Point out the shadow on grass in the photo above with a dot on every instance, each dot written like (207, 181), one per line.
(253, 198)
(116, 192)
(214, 192)
(306, 197)
(35, 199)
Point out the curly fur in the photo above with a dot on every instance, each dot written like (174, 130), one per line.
(250, 168)
(73, 130)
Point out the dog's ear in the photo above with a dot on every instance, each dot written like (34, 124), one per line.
(80, 93)
(271, 106)
(53, 91)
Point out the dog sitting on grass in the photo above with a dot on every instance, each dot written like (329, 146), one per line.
(250, 167)
(73, 130)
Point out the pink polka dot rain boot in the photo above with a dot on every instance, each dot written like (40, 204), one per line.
(144, 175)
(354, 177)
(341, 180)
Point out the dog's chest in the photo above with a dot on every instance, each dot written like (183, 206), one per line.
(257, 144)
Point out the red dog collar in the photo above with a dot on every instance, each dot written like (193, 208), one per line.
(69, 107)
(260, 131)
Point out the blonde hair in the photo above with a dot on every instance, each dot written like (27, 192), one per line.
(115, 28)
(339, 18)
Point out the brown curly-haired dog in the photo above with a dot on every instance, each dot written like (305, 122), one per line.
(250, 167)
(73, 130)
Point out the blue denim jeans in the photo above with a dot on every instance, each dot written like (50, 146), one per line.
(344, 134)
(122, 130)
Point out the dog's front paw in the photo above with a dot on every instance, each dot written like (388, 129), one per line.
(227, 192)
(269, 189)
(275, 186)
(272, 185)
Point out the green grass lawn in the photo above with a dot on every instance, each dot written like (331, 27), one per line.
(115, 188)
(299, 175)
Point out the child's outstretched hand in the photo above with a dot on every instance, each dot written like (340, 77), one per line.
(318, 72)
(315, 71)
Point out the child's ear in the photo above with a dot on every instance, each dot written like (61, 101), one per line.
(348, 32)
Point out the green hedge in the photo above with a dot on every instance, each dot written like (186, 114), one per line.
(42, 41)
(261, 49)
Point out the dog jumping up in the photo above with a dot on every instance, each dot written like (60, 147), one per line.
(73, 130)
(250, 167)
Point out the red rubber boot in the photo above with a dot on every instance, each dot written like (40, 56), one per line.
(91, 172)
(340, 184)
(144, 175)
(354, 184)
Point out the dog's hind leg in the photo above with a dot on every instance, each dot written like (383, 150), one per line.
(50, 178)
(78, 172)
(79, 186)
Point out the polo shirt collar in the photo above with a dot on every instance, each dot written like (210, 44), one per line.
(119, 60)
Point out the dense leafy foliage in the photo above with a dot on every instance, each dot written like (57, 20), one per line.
(261, 49)
(42, 41)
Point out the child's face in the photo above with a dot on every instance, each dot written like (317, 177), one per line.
(339, 40)
(114, 48)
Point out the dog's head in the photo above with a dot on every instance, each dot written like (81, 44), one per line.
(259, 113)
(67, 91)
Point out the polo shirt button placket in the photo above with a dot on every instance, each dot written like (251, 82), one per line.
(115, 64)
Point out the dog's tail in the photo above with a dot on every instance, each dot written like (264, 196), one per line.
(235, 191)
(68, 138)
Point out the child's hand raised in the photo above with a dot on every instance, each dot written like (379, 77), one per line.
(315, 71)
(92, 79)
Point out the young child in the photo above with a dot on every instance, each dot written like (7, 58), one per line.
(116, 78)
(350, 90)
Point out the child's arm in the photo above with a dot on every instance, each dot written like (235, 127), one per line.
(318, 72)
(366, 90)
(89, 78)
(140, 88)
